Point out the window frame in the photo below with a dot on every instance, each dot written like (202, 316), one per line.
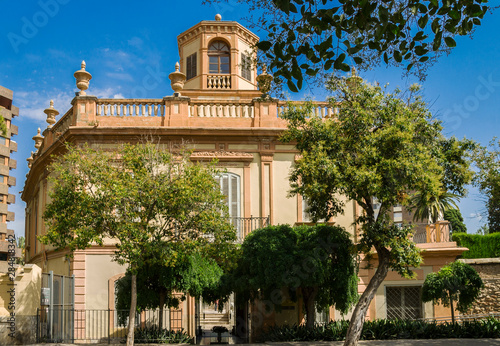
(219, 54)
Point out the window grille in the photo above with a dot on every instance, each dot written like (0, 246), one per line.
(404, 302)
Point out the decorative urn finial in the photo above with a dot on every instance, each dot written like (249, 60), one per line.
(354, 79)
(51, 114)
(218, 17)
(30, 160)
(264, 81)
(177, 80)
(38, 138)
(82, 79)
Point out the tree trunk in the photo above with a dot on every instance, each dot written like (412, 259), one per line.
(131, 315)
(452, 310)
(359, 313)
(162, 304)
(309, 296)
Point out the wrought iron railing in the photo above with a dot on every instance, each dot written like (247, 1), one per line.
(103, 326)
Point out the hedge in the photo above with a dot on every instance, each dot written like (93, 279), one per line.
(480, 246)
(386, 329)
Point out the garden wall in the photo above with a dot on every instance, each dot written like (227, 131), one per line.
(489, 270)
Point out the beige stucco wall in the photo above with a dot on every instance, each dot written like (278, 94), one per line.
(99, 269)
(255, 187)
(285, 207)
(28, 282)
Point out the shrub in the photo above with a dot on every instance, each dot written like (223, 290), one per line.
(385, 330)
(156, 335)
(480, 246)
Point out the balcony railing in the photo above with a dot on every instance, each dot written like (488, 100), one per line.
(221, 109)
(245, 225)
(439, 232)
(222, 81)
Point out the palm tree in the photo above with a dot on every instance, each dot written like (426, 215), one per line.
(427, 206)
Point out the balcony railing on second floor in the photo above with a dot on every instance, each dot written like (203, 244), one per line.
(245, 225)
(439, 232)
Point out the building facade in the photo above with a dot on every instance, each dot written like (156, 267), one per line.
(218, 112)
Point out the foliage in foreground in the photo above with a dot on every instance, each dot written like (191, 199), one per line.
(480, 246)
(380, 145)
(278, 263)
(386, 330)
(156, 205)
(305, 37)
(456, 282)
(487, 179)
(155, 335)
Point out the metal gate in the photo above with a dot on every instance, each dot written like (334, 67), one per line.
(55, 320)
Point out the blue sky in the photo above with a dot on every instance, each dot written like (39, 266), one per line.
(130, 47)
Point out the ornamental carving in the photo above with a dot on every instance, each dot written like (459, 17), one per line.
(222, 155)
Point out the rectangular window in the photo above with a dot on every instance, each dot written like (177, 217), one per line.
(404, 302)
(246, 67)
(191, 66)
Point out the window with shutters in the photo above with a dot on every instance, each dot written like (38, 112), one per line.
(404, 302)
(246, 66)
(230, 186)
(306, 217)
(191, 66)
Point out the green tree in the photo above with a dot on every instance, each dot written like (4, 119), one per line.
(427, 206)
(315, 262)
(455, 282)
(155, 204)
(305, 37)
(192, 275)
(21, 244)
(487, 179)
(379, 145)
(454, 216)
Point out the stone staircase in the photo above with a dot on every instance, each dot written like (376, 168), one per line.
(211, 319)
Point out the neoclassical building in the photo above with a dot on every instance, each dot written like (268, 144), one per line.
(219, 112)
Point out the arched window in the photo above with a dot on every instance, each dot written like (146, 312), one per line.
(218, 58)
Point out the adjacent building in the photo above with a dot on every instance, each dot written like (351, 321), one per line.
(7, 146)
(219, 112)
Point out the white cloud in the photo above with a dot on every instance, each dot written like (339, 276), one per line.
(135, 42)
(32, 103)
(120, 76)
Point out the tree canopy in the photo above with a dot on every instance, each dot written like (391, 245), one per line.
(378, 145)
(454, 216)
(305, 37)
(155, 205)
(487, 179)
(193, 275)
(316, 263)
(455, 282)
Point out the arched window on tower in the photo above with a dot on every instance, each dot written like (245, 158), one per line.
(218, 58)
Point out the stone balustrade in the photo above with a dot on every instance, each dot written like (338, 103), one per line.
(220, 109)
(219, 82)
(320, 109)
(130, 107)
